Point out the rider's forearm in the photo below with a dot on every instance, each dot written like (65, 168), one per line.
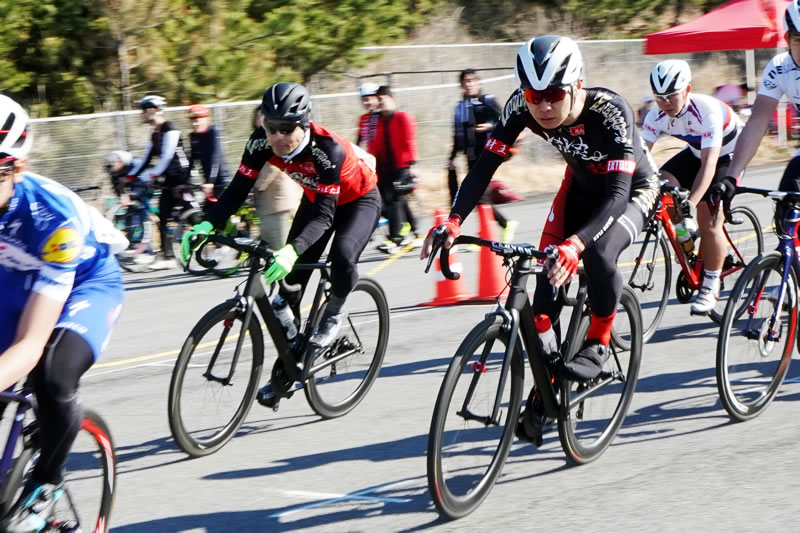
(705, 176)
(750, 137)
(474, 185)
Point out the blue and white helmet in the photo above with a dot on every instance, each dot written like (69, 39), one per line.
(15, 135)
(153, 102)
(791, 19)
(548, 61)
(670, 76)
(368, 89)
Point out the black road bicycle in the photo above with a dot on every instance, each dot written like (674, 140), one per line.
(217, 373)
(478, 408)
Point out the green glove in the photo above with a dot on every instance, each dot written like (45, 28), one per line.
(284, 261)
(203, 228)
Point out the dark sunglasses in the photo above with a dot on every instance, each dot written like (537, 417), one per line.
(284, 128)
(551, 95)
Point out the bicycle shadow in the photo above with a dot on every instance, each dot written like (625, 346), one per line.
(160, 280)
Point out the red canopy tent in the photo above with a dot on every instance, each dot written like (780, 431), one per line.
(737, 25)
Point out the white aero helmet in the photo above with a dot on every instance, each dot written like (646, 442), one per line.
(153, 102)
(15, 134)
(548, 61)
(670, 76)
(791, 20)
(368, 89)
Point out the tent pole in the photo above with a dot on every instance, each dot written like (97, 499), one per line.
(750, 68)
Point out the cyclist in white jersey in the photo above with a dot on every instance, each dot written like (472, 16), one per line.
(781, 77)
(710, 129)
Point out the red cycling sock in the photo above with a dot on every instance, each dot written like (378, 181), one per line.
(600, 328)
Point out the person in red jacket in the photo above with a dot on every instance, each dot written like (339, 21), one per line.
(395, 149)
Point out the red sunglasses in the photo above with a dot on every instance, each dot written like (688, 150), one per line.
(551, 95)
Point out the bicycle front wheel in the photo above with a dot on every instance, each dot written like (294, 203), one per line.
(467, 447)
(649, 274)
(754, 346)
(182, 226)
(213, 384)
(356, 356)
(745, 243)
(592, 412)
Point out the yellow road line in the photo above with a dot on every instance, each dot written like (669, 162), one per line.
(170, 353)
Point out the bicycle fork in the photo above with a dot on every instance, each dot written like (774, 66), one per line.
(511, 325)
(245, 302)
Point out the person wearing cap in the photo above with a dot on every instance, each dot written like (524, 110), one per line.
(369, 120)
(171, 169)
(206, 148)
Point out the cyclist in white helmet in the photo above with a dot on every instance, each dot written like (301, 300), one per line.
(61, 293)
(608, 191)
(781, 77)
(369, 120)
(710, 128)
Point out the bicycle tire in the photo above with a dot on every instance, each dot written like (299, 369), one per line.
(359, 312)
(741, 233)
(572, 442)
(748, 402)
(443, 493)
(150, 237)
(653, 299)
(247, 228)
(23, 464)
(229, 315)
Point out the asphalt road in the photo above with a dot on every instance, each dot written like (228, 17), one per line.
(678, 463)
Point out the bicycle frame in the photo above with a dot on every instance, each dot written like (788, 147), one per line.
(24, 401)
(692, 268)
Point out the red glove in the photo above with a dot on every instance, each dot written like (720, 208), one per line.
(568, 256)
(452, 226)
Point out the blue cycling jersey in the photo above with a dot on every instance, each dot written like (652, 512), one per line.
(53, 244)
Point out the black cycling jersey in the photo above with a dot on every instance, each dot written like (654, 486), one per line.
(166, 144)
(602, 148)
(207, 150)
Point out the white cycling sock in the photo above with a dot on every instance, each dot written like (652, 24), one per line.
(711, 278)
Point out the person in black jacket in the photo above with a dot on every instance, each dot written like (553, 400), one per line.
(475, 116)
(206, 149)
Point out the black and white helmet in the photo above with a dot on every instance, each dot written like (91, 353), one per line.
(548, 61)
(368, 89)
(153, 102)
(15, 133)
(791, 19)
(670, 76)
(287, 102)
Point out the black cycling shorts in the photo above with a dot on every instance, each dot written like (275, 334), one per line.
(685, 166)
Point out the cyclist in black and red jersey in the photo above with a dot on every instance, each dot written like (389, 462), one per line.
(607, 193)
(340, 200)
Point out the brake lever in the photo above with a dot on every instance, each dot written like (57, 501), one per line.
(439, 236)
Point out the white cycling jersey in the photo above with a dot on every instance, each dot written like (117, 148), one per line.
(781, 76)
(705, 122)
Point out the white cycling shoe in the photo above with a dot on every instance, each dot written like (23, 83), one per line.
(706, 300)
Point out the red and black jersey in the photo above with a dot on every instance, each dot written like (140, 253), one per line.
(331, 170)
(605, 154)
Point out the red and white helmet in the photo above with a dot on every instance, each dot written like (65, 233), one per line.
(15, 134)
(548, 61)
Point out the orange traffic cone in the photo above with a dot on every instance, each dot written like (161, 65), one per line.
(492, 277)
(448, 291)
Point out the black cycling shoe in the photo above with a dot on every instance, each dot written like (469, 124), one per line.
(588, 363)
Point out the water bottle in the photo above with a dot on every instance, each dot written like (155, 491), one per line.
(285, 315)
(546, 334)
(686, 234)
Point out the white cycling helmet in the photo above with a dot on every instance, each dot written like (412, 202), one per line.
(15, 134)
(111, 159)
(791, 19)
(153, 102)
(548, 61)
(368, 89)
(670, 76)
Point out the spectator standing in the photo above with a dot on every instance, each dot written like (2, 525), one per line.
(475, 117)
(206, 149)
(369, 120)
(395, 151)
(276, 198)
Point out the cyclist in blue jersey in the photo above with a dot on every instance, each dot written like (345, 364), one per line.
(61, 295)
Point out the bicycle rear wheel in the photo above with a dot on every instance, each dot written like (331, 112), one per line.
(753, 351)
(466, 449)
(204, 409)
(358, 353)
(182, 226)
(592, 413)
(649, 274)
(748, 243)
